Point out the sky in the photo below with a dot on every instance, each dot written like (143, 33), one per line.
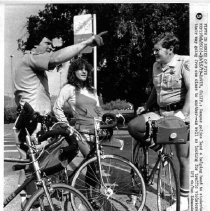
(15, 19)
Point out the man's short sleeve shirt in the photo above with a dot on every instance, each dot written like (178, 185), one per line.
(169, 82)
(31, 82)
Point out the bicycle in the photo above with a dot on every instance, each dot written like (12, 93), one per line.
(164, 170)
(48, 196)
(106, 180)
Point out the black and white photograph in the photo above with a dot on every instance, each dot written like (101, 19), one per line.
(105, 106)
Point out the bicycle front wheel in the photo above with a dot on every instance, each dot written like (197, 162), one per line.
(120, 187)
(168, 192)
(61, 195)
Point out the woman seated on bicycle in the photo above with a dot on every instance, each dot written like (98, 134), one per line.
(171, 91)
(80, 96)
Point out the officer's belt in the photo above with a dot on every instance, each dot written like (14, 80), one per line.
(173, 106)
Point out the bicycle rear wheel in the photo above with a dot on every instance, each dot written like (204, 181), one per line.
(122, 186)
(139, 156)
(61, 195)
(168, 191)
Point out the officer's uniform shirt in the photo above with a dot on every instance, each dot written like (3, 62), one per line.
(169, 82)
(31, 81)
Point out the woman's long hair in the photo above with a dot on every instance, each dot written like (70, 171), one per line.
(72, 79)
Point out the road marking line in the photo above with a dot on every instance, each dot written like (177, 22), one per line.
(9, 145)
(11, 150)
(122, 136)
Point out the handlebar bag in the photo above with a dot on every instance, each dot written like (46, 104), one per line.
(58, 155)
(170, 130)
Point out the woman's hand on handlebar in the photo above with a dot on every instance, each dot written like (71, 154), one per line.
(140, 110)
(66, 126)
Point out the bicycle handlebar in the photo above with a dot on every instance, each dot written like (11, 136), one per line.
(109, 120)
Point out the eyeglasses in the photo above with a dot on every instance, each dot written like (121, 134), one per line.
(155, 50)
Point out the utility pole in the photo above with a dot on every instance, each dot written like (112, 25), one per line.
(95, 53)
(11, 69)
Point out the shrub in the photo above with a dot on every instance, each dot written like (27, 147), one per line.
(10, 115)
(117, 104)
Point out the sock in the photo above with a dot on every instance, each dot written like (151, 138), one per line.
(184, 192)
(23, 198)
(184, 203)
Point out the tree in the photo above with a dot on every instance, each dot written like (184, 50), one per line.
(133, 29)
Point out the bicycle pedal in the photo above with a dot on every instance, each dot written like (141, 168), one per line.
(165, 163)
(133, 200)
(150, 183)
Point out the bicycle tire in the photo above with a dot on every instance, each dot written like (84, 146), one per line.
(123, 188)
(168, 188)
(58, 192)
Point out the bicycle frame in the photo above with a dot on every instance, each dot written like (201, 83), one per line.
(147, 175)
(165, 196)
(40, 181)
(95, 150)
(98, 150)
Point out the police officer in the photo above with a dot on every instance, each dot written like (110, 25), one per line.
(171, 91)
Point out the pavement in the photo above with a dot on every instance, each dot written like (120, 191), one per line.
(11, 177)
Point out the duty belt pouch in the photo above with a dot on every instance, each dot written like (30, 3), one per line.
(170, 130)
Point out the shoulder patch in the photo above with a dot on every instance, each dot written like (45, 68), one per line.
(186, 65)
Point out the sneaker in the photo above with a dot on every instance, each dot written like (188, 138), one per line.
(95, 204)
(183, 205)
(132, 200)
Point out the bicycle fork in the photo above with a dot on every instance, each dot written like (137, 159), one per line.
(108, 191)
(40, 181)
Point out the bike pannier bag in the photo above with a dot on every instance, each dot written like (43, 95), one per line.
(59, 155)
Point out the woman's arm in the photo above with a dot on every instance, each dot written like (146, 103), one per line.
(65, 93)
